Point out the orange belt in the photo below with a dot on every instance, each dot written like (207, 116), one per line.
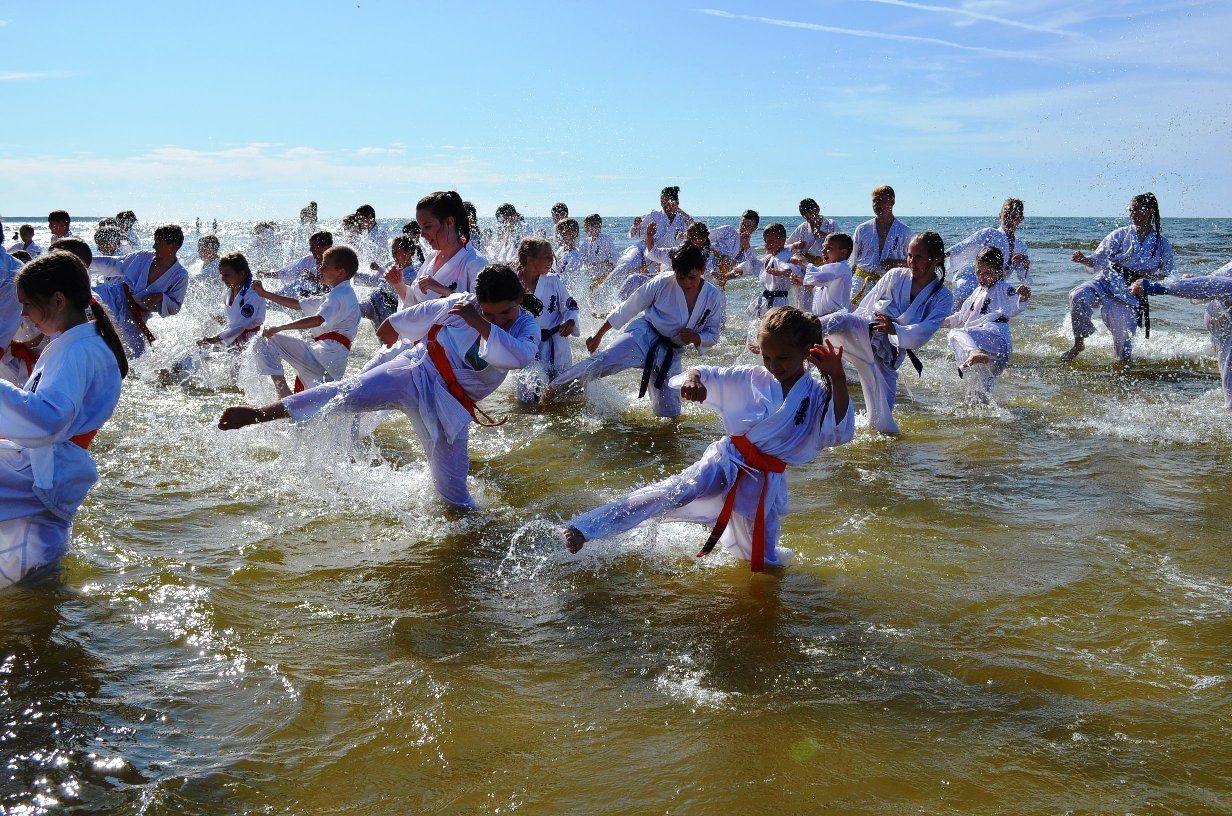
(436, 353)
(337, 338)
(82, 440)
(138, 313)
(27, 352)
(767, 464)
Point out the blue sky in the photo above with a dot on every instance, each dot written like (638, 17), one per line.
(250, 109)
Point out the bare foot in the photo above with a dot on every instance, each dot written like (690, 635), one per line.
(573, 539)
(976, 357)
(237, 416)
(1074, 350)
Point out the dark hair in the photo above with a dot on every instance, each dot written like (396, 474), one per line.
(593, 218)
(1149, 201)
(109, 235)
(25, 228)
(322, 238)
(238, 262)
(212, 240)
(883, 191)
(472, 214)
(172, 233)
(127, 215)
(344, 257)
(686, 258)
(60, 271)
(498, 282)
(77, 247)
(698, 228)
(21, 255)
(752, 215)
(560, 208)
(507, 211)
(411, 228)
(365, 210)
(935, 246)
(992, 256)
(842, 240)
(529, 248)
(58, 215)
(800, 328)
(402, 242)
(671, 194)
(108, 222)
(448, 204)
(808, 205)
(775, 228)
(568, 225)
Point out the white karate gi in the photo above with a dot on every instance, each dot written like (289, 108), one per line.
(570, 266)
(459, 273)
(963, 254)
(34, 249)
(1216, 290)
(316, 360)
(775, 289)
(831, 287)
(409, 381)
(1109, 290)
(598, 255)
(877, 357)
(866, 257)
(554, 354)
(44, 477)
(793, 427)
(670, 232)
(982, 323)
(502, 248)
(133, 271)
(813, 240)
(661, 311)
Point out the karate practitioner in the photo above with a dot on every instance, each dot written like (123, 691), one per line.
(242, 314)
(144, 284)
(503, 245)
(830, 282)
(459, 350)
(1216, 290)
(670, 221)
(775, 414)
(660, 318)
(408, 258)
(729, 247)
(774, 270)
(25, 242)
(1124, 256)
(598, 250)
(806, 241)
(302, 278)
(330, 321)
(47, 424)
(556, 312)
(899, 314)
(453, 264)
(569, 263)
(880, 243)
(961, 256)
(980, 328)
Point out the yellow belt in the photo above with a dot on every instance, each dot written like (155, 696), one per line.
(866, 276)
(815, 260)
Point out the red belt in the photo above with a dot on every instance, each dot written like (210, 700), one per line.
(27, 352)
(244, 335)
(337, 338)
(436, 353)
(82, 440)
(767, 464)
(138, 313)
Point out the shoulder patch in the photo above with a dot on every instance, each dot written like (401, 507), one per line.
(247, 310)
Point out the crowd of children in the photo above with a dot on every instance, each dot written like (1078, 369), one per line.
(458, 310)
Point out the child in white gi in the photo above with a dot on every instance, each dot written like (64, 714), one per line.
(980, 328)
(663, 316)
(331, 322)
(775, 414)
(899, 314)
(1124, 256)
(598, 250)
(458, 350)
(144, 284)
(1216, 290)
(556, 312)
(960, 256)
(47, 424)
(775, 270)
(830, 282)
(26, 243)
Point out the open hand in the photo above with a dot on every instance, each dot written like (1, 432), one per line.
(469, 312)
(828, 358)
(237, 416)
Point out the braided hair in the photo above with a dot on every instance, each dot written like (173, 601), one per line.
(935, 246)
(1149, 201)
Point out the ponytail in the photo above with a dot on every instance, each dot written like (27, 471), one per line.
(448, 204)
(935, 246)
(62, 271)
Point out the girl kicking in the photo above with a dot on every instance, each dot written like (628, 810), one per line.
(464, 345)
(663, 316)
(980, 329)
(775, 414)
(899, 314)
(243, 313)
(48, 423)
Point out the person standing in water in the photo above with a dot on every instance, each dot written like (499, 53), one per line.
(670, 221)
(144, 284)
(453, 264)
(880, 243)
(961, 256)
(47, 424)
(1124, 256)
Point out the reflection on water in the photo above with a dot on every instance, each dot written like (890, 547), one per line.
(1022, 607)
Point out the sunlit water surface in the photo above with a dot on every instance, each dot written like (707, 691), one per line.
(1017, 608)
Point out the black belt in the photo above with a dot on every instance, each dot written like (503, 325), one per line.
(1143, 311)
(649, 367)
(544, 336)
(771, 295)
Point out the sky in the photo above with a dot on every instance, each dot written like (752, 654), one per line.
(249, 110)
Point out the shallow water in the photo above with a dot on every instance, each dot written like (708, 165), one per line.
(1014, 608)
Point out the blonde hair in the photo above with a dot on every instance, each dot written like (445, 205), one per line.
(800, 328)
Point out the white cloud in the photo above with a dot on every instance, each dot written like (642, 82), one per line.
(17, 76)
(875, 35)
